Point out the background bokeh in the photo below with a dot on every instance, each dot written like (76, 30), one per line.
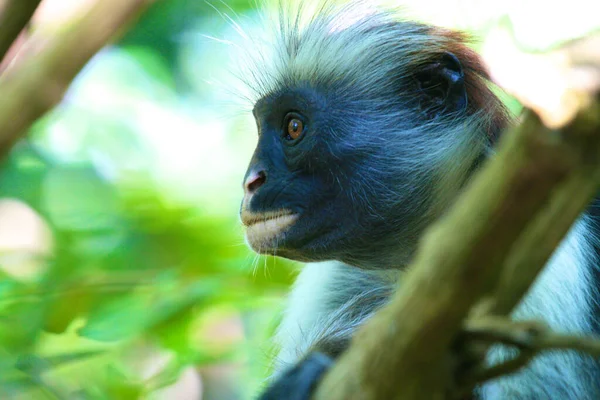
(123, 269)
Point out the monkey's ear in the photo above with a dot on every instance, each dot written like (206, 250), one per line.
(442, 86)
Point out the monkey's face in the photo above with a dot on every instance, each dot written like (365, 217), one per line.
(322, 185)
(367, 129)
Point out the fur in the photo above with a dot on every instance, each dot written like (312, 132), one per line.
(361, 57)
(324, 299)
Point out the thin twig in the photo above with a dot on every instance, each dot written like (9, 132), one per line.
(529, 337)
(521, 334)
(481, 373)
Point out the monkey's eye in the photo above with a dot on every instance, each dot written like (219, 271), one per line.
(294, 127)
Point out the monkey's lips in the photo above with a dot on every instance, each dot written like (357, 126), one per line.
(263, 229)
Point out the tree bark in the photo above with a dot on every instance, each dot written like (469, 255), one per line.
(14, 16)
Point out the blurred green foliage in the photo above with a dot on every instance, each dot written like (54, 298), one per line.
(142, 265)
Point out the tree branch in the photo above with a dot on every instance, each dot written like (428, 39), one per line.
(537, 243)
(405, 351)
(39, 82)
(14, 16)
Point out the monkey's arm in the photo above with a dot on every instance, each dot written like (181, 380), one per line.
(298, 382)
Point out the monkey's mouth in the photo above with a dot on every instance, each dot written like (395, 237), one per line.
(263, 229)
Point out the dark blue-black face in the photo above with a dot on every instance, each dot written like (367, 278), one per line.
(293, 172)
(318, 187)
(323, 182)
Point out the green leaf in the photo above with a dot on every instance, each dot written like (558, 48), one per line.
(35, 365)
(146, 307)
(76, 199)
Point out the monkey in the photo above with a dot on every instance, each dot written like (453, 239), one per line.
(369, 126)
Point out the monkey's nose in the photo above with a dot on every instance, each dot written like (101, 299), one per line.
(254, 180)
